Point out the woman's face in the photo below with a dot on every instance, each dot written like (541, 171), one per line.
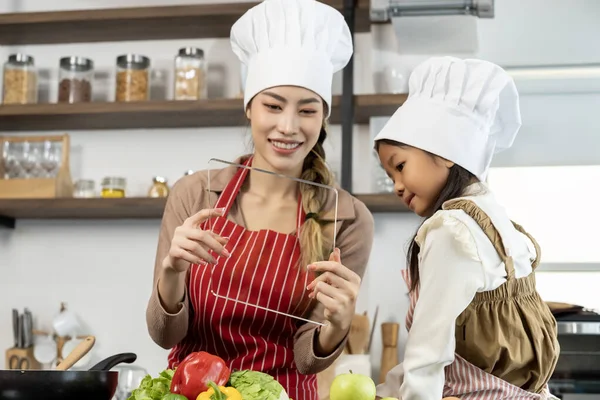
(418, 177)
(286, 122)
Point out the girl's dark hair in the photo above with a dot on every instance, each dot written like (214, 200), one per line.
(458, 180)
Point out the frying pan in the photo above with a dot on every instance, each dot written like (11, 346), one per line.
(98, 383)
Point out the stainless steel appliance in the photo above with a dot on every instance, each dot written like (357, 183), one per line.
(577, 374)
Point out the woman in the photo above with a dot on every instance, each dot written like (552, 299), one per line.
(267, 235)
(478, 329)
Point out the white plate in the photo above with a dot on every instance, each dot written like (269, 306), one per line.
(44, 350)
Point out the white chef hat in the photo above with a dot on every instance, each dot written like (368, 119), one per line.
(461, 110)
(291, 42)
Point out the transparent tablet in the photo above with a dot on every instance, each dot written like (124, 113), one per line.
(264, 270)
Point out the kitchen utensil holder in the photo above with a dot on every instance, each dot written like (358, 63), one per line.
(21, 354)
(38, 188)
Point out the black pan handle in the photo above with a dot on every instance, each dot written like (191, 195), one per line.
(110, 362)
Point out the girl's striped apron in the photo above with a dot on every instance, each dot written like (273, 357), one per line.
(468, 382)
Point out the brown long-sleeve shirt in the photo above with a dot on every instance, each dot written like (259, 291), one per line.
(355, 230)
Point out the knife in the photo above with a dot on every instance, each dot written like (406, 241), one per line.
(28, 330)
(21, 326)
(15, 320)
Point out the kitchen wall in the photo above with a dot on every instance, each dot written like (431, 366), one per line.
(103, 269)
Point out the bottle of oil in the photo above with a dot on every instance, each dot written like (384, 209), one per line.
(159, 187)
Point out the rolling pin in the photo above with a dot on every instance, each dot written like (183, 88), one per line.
(389, 353)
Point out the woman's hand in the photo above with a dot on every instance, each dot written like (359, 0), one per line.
(190, 244)
(337, 289)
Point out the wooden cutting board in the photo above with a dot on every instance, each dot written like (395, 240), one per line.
(358, 339)
(389, 353)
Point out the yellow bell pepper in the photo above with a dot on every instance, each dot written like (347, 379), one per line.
(219, 393)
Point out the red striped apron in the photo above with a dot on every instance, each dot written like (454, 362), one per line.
(261, 270)
(466, 381)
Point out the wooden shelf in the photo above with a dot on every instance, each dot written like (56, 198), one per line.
(163, 114)
(128, 208)
(138, 23)
(382, 202)
(73, 208)
(97, 208)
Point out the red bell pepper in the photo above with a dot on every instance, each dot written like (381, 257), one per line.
(195, 372)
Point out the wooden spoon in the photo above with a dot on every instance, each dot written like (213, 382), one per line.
(78, 352)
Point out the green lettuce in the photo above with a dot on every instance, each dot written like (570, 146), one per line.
(254, 385)
(153, 388)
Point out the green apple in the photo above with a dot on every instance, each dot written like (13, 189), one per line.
(352, 387)
(389, 398)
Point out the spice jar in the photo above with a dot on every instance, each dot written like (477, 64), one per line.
(133, 78)
(75, 80)
(84, 189)
(190, 74)
(20, 80)
(113, 187)
(159, 187)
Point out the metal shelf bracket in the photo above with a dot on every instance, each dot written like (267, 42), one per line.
(7, 222)
(347, 103)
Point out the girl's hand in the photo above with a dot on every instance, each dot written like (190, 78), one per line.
(337, 289)
(190, 244)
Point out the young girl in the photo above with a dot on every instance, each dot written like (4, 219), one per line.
(269, 234)
(478, 329)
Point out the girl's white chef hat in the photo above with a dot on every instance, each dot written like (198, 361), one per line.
(461, 110)
(291, 42)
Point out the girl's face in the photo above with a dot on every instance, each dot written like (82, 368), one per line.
(286, 122)
(418, 177)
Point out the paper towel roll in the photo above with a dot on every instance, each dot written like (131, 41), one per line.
(437, 34)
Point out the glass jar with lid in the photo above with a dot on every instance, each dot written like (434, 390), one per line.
(75, 80)
(113, 187)
(190, 74)
(84, 188)
(133, 78)
(159, 187)
(20, 80)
